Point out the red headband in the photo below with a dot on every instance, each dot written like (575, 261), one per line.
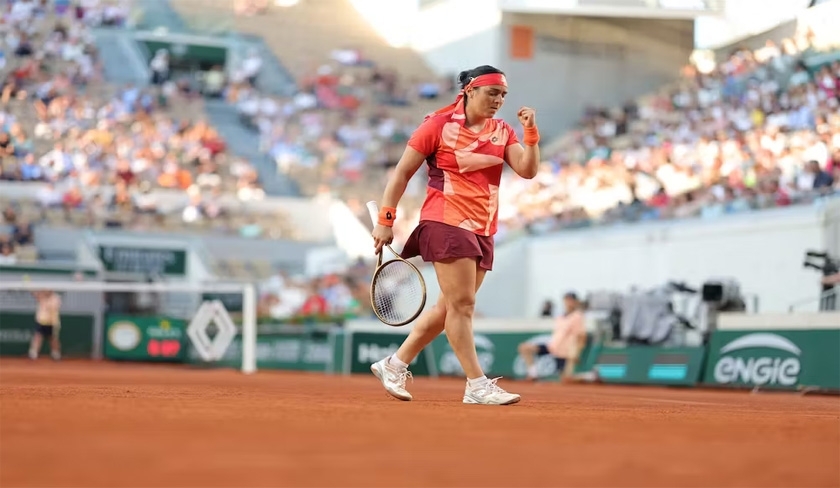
(487, 80)
(482, 80)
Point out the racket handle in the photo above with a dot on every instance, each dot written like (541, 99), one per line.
(373, 209)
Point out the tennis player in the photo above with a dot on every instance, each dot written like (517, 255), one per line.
(47, 323)
(465, 148)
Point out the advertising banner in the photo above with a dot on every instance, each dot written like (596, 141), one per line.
(497, 352)
(172, 262)
(135, 338)
(287, 347)
(368, 347)
(75, 333)
(774, 358)
(648, 365)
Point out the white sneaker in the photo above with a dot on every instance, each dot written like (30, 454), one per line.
(489, 394)
(392, 378)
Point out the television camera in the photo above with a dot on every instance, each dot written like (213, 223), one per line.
(674, 314)
(827, 265)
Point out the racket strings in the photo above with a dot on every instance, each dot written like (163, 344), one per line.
(398, 292)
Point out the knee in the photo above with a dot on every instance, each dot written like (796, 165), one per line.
(435, 317)
(461, 305)
(524, 348)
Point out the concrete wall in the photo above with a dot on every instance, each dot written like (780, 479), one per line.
(581, 61)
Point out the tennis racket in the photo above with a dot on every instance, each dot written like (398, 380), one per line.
(397, 290)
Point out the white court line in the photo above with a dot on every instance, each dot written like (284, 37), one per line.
(740, 410)
(684, 402)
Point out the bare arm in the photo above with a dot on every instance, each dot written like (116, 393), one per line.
(525, 161)
(831, 279)
(408, 165)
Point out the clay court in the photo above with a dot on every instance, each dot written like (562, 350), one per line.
(108, 425)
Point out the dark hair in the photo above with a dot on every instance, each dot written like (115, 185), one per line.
(464, 77)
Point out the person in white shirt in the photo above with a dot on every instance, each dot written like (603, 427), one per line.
(160, 67)
(251, 67)
(22, 10)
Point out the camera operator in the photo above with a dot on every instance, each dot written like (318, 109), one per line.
(828, 302)
(831, 280)
(830, 269)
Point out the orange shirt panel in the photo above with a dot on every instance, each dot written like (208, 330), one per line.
(465, 169)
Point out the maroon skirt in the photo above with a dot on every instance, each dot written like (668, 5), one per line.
(436, 241)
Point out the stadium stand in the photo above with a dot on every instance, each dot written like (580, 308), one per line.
(730, 136)
(759, 129)
(707, 145)
(351, 83)
(98, 155)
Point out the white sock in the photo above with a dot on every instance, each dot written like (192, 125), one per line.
(477, 381)
(532, 371)
(395, 361)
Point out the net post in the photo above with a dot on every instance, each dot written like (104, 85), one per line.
(249, 329)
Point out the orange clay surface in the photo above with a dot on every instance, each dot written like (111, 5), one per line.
(101, 424)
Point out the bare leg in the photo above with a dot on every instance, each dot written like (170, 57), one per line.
(35, 345)
(452, 275)
(428, 326)
(55, 346)
(528, 351)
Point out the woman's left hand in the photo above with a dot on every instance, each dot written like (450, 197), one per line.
(527, 116)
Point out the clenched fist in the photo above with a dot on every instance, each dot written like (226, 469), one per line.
(527, 116)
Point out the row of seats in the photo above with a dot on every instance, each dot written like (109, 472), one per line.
(247, 224)
(243, 269)
(80, 194)
(303, 35)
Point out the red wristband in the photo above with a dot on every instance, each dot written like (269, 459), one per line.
(532, 136)
(387, 216)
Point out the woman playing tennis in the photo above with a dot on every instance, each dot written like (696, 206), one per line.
(465, 148)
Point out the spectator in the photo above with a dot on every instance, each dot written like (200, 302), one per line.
(823, 181)
(214, 83)
(7, 252)
(728, 138)
(159, 66)
(22, 234)
(251, 67)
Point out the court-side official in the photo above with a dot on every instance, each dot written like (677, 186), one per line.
(565, 343)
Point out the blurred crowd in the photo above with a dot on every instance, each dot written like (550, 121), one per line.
(342, 126)
(247, 8)
(760, 129)
(284, 297)
(105, 152)
(19, 241)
